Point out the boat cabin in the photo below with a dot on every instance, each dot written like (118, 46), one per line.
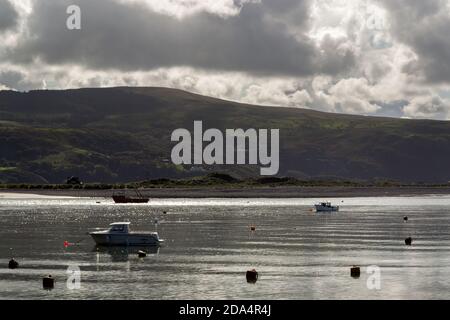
(119, 227)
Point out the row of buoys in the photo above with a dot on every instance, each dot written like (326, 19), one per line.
(48, 282)
(355, 271)
(252, 275)
(409, 240)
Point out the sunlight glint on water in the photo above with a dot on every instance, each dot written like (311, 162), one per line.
(209, 246)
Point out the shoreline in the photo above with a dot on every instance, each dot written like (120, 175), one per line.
(260, 192)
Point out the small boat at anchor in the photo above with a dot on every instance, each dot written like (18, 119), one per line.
(122, 198)
(119, 234)
(326, 207)
(126, 199)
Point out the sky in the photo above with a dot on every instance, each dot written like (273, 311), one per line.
(368, 57)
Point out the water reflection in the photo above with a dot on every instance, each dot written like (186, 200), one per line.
(122, 253)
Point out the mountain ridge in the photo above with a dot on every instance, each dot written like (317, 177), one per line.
(121, 134)
(136, 89)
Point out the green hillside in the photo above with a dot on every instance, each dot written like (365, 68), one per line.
(123, 134)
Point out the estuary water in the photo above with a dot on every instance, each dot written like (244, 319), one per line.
(209, 246)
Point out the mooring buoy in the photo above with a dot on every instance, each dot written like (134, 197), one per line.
(405, 219)
(48, 282)
(142, 254)
(13, 264)
(252, 276)
(408, 241)
(355, 272)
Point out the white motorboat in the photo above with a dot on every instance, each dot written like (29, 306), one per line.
(119, 234)
(326, 207)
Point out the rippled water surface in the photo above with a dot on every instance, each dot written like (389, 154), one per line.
(209, 246)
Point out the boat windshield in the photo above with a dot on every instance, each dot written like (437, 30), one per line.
(118, 228)
(326, 204)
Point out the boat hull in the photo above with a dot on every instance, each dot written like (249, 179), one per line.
(320, 208)
(124, 199)
(104, 239)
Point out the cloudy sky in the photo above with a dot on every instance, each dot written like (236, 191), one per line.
(371, 57)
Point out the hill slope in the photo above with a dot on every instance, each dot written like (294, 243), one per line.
(123, 134)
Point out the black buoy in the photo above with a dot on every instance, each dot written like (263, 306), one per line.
(48, 282)
(13, 264)
(142, 254)
(405, 219)
(355, 272)
(253, 228)
(164, 212)
(408, 241)
(252, 276)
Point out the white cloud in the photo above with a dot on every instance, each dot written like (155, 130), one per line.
(430, 106)
(183, 8)
(361, 56)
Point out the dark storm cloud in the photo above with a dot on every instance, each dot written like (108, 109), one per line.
(424, 26)
(8, 16)
(130, 37)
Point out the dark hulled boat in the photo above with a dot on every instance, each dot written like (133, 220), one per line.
(121, 198)
(125, 199)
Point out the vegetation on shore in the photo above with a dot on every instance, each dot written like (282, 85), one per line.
(115, 135)
(220, 180)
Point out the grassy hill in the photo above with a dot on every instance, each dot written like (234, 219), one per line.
(123, 134)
